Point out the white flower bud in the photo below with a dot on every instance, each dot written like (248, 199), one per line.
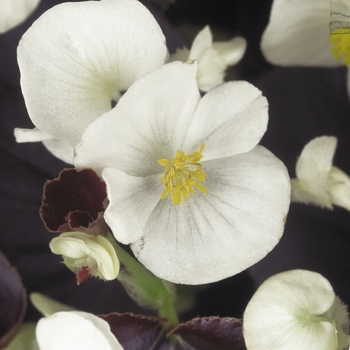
(83, 252)
(213, 58)
(318, 182)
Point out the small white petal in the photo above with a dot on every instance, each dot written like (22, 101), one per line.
(321, 150)
(312, 171)
(232, 51)
(75, 330)
(30, 135)
(230, 119)
(298, 34)
(211, 70)
(140, 130)
(131, 201)
(202, 42)
(339, 188)
(77, 57)
(213, 58)
(14, 12)
(60, 149)
(219, 234)
(290, 311)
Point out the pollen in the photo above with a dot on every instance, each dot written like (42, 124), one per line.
(340, 39)
(182, 175)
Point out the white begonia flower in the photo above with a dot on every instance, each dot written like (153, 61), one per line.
(188, 186)
(317, 181)
(75, 330)
(213, 58)
(81, 250)
(296, 309)
(14, 12)
(298, 34)
(75, 60)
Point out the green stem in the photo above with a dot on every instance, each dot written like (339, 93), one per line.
(144, 287)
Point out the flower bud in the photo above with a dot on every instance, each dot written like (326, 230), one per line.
(339, 188)
(87, 255)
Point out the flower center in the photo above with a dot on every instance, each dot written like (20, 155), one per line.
(182, 175)
(340, 39)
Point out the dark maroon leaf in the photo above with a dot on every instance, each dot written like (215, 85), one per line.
(13, 301)
(211, 333)
(75, 201)
(136, 331)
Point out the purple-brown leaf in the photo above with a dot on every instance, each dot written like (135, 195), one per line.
(75, 201)
(212, 333)
(136, 331)
(13, 301)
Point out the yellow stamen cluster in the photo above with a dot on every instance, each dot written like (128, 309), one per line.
(340, 39)
(182, 175)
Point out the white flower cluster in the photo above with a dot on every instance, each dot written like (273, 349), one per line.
(188, 187)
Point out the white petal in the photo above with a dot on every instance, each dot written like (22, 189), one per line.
(232, 50)
(75, 330)
(219, 234)
(201, 43)
(298, 34)
(60, 149)
(211, 70)
(301, 193)
(312, 170)
(131, 201)
(77, 57)
(289, 312)
(321, 150)
(149, 123)
(14, 12)
(339, 188)
(230, 119)
(30, 135)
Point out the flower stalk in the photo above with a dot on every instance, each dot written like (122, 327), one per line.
(143, 287)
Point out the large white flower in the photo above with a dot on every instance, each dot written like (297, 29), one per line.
(75, 330)
(296, 310)
(318, 182)
(188, 186)
(298, 33)
(213, 58)
(14, 12)
(75, 60)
